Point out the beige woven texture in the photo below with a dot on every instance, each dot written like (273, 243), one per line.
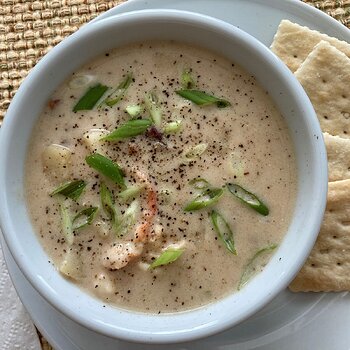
(29, 29)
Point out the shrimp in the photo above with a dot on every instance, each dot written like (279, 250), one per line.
(143, 231)
(121, 254)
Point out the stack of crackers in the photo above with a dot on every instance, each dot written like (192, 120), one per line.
(322, 66)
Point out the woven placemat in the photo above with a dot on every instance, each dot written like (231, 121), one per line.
(29, 29)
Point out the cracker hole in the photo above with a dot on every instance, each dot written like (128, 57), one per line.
(335, 237)
(295, 56)
(313, 265)
(324, 80)
(339, 263)
(343, 96)
(346, 115)
(325, 117)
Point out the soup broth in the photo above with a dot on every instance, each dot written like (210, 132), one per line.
(169, 192)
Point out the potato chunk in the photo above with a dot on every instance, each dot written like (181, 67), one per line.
(92, 140)
(71, 265)
(120, 254)
(56, 160)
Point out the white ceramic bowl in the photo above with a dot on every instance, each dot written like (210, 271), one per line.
(226, 40)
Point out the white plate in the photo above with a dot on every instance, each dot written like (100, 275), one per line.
(303, 321)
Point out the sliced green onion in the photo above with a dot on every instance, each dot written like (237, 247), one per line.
(67, 225)
(205, 199)
(199, 184)
(108, 206)
(70, 189)
(131, 128)
(203, 99)
(224, 231)
(130, 192)
(172, 127)
(134, 110)
(168, 256)
(253, 264)
(187, 80)
(84, 217)
(248, 198)
(118, 93)
(129, 218)
(194, 152)
(153, 107)
(106, 167)
(90, 98)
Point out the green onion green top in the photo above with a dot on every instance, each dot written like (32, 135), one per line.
(130, 192)
(70, 189)
(224, 231)
(107, 200)
(153, 108)
(131, 128)
(118, 93)
(81, 219)
(90, 98)
(84, 217)
(168, 256)
(108, 205)
(106, 167)
(253, 264)
(248, 198)
(203, 99)
(205, 199)
(129, 218)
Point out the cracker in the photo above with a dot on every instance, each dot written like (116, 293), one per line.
(328, 266)
(293, 43)
(325, 76)
(338, 153)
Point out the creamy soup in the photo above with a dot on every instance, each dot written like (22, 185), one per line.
(160, 177)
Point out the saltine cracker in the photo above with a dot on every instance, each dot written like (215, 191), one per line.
(327, 268)
(293, 43)
(338, 153)
(325, 76)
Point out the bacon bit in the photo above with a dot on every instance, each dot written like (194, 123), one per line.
(53, 103)
(154, 133)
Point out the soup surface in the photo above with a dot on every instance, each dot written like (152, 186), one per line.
(146, 209)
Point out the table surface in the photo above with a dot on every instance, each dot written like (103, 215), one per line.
(29, 29)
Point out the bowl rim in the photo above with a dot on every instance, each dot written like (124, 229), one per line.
(107, 329)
